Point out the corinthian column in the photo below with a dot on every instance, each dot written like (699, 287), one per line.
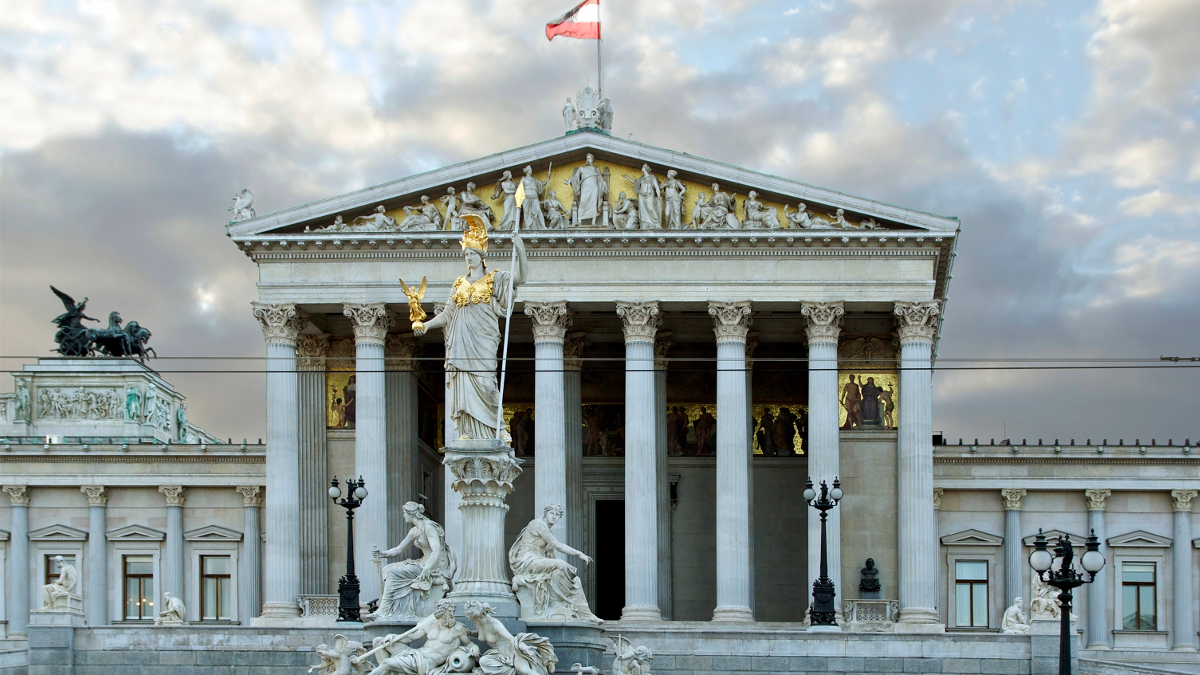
(401, 392)
(573, 348)
(173, 555)
(1098, 632)
(313, 466)
(824, 326)
(18, 568)
(370, 323)
(250, 580)
(640, 323)
(662, 346)
(550, 322)
(281, 325)
(1013, 564)
(96, 602)
(1183, 630)
(731, 323)
(918, 568)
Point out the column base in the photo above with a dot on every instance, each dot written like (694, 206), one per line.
(918, 615)
(280, 610)
(733, 614)
(641, 613)
(1098, 647)
(1184, 648)
(919, 628)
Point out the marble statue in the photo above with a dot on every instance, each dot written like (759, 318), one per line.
(589, 110)
(588, 186)
(507, 187)
(181, 423)
(532, 217)
(21, 393)
(625, 213)
(447, 647)
(569, 120)
(378, 221)
(520, 654)
(649, 204)
(673, 192)
(557, 216)
(720, 210)
(606, 114)
(450, 204)
(1014, 622)
(470, 203)
(1045, 605)
(759, 215)
(799, 218)
(242, 208)
(547, 587)
(471, 320)
(412, 587)
(173, 613)
(341, 659)
(839, 219)
(700, 211)
(55, 594)
(585, 670)
(868, 224)
(425, 216)
(630, 660)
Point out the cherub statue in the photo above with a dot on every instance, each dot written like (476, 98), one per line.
(341, 659)
(520, 654)
(378, 221)
(415, 312)
(242, 203)
(1014, 622)
(700, 211)
(630, 660)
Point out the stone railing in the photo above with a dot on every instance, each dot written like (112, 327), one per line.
(318, 605)
(871, 616)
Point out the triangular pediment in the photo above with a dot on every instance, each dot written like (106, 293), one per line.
(135, 533)
(58, 533)
(556, 159)
(1140, 539)
(972, 538)
(212, 533)
(1053, 535)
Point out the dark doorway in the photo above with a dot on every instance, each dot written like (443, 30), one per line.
(610, 558)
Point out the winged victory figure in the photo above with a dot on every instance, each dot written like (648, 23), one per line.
(415, 313)
(72, 337)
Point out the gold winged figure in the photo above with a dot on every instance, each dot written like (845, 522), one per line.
(415, 313)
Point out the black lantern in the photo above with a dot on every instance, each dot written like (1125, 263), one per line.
(348, 585)
(823, 612)
(1058, 570)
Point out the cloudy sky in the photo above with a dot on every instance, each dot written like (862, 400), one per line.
(1062, 133)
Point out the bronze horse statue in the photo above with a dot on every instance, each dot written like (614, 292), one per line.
(74, 339)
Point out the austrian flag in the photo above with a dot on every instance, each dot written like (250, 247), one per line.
(582, 22)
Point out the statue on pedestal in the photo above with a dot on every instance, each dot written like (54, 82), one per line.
(531, 215)
(173, 613)
(410, 587)
(55, 595)
(447, 648)
(590, 190)
(868, 587)
(520, 654)
(547, 587)
(243, 206)
(472, 324)
(1014, 622)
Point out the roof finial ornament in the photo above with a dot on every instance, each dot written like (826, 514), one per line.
(590, 111)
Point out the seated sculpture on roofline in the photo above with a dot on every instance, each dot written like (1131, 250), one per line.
(547, 588)
(412, 588)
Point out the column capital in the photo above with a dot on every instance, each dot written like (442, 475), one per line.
(1096, 498)
(573, 348)
(938, 493)
(401, 352)
(280, 322)
(662, 347)
(1183, 499)
(824, 320)
(18, 494)
(550, 320)
(251, 495)
(173, 493)
(1012, 498)
(311, 351)
(640, 320)
(95, 494)
(917, 321)
(731, 320)
(370, 320)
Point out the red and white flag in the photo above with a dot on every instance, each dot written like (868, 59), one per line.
(582, 22)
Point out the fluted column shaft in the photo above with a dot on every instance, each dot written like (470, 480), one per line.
(662, 345)
(95, 604)
(250, 578)
(1183, 633)
(313, 465)
(824, 326)
(918, 568)
(734, 564)
(281, 325)
(550, 322)
(172, 568)
(1098, 631)
(573, 348)
(400, 385)
(370, 323)
(1014, 565)
(641, 321)
(18, 566)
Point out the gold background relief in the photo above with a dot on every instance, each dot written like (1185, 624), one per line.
(884, 381)
(617, 185)
(339, 368)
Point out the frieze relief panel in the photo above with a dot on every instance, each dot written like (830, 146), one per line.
(80, 403)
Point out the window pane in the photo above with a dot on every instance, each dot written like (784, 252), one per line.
(132, 599)
(1129, 607)
(962, 605)
(1137, 572)
(979, 593)
(210, 599)
(139, 564)
(214, 564)
(975, 570)
(1146, 609)
(223, 595)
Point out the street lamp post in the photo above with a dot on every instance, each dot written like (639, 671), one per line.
(823, 612)
(1058, 571)
(348, 585)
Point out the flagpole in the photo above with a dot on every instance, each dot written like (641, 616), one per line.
(599, 79)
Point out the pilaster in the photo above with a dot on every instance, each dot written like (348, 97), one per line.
(250, 577)
(1183, 633)
(96, 600)
(1099, 630)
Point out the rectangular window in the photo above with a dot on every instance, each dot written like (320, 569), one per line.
(138, 573)
(53, 569)
(1138, 601)
(215, 582)
(971, 593)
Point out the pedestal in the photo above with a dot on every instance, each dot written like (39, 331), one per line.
(574, 642)
(483, 472)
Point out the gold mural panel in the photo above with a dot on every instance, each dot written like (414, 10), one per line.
(340, 384)
(868, 400)
(780, 430)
